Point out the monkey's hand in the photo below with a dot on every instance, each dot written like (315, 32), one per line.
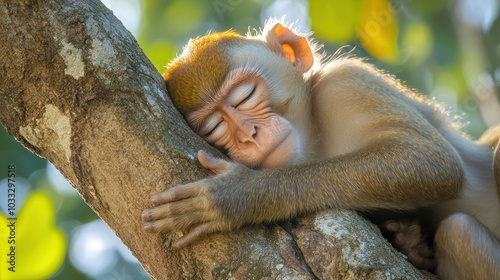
(203, 207)
(407, 236)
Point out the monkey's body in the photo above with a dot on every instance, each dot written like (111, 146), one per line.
(338, 135)
(355, 126)
(479, 196)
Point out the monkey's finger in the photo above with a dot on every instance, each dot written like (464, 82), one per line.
(176, 223)
(391, 226)
(217, 165)
(197, 233)
(425, 251)
(180, 192)
(196, 204)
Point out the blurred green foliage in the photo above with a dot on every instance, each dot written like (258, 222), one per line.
(429, 44)
(39, 246)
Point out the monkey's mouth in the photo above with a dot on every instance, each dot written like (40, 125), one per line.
(282, 153)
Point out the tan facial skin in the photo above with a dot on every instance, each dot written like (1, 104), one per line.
(243, 124)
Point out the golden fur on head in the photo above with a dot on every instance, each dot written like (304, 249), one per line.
(198, 72)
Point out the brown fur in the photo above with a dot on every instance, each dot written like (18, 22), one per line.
(192, 77)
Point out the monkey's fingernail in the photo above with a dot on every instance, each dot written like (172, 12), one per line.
(209, 157)
(391, 226)
(179, 244)
(148, 227)
(145, 215)
(205, 154)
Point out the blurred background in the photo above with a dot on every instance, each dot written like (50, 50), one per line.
(447, 49)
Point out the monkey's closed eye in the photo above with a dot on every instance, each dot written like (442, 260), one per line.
(219, 130)
(211, 123)
(242, 94)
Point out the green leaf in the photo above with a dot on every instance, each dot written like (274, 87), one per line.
(335, 21)
(184, 16)
(417, 42)
(378, 30)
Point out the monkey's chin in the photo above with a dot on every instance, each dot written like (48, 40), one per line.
(285, 153)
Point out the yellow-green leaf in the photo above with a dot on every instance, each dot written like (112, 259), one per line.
(38, 247)
(378, 30)
(160, 53)
(185, 15)
(334, 20)
(417, 42)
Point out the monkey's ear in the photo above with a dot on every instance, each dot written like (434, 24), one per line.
(293, 47)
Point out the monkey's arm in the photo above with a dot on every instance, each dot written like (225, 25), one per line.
(401, 173)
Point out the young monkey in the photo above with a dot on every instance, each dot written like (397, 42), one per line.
(308, 136)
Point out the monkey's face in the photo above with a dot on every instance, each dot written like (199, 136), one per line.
(235, 90)
(243, 124)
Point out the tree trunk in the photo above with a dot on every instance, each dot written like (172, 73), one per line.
(76, 89)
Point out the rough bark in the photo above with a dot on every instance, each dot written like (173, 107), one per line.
(76, 89)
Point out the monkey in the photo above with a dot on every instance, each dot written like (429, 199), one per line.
(305, 134)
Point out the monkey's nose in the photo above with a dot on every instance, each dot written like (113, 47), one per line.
(247, 133)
